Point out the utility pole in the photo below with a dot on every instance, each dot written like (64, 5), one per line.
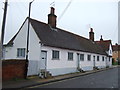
(27, 61)
(3, 29)
(2, 39)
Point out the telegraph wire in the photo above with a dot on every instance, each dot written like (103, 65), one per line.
(52, 4)
(65, 10)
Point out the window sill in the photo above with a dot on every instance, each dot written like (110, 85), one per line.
(70, 60)
(81, 60)
(55, 59)
(20, 57)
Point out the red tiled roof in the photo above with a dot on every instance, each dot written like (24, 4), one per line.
(116, 47)
(104, 44)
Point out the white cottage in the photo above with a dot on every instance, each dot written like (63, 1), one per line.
(107, 47)
(55, 50)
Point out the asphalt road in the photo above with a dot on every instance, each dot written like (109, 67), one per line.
(104, 79)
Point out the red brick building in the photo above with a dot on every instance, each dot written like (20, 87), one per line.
(116, 53)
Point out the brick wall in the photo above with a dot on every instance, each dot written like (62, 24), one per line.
(12, 69)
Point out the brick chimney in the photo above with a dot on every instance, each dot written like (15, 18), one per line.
(91, 34)
(52, 18)
(101, 39)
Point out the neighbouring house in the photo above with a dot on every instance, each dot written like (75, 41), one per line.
(55, 50)
(116, 53)
(107, 47)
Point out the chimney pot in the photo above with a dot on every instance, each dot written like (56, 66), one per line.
(52, 18)
(91, 29)
(91, 34)
(52, 11)
(116, 44)
(101, 39)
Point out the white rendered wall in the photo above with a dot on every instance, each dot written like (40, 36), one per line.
(34, 53)
(110, 50)
(110, 54)
(100, 63)
(57, 67)
(19, 42)
(34, 48)
(66, 66)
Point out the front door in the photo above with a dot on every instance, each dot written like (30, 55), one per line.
(106, 62)
(93, 61)
(43, 61)
(78, 61)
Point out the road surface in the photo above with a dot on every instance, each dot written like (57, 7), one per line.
(104, 79)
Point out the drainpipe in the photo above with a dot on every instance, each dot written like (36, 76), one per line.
(27, 61)
(3, 29)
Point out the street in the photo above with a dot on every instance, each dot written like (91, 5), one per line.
(104, 79)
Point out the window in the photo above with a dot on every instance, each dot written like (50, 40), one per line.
(109, 58)
(106, 58)
(102, 58)
(70, 56)
(89, 57)
(110, 52)
(82, 57)
(97, 58)
(20, 52)
(55, 54)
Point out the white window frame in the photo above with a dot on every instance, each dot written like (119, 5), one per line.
(55, 55)
(98, 58)
(70, 58)
(89, 57)
(81, 57)
(21, 52)
(103, 58)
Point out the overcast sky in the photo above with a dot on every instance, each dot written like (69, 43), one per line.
(101, 15)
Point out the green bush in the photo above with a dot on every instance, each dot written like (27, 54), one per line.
(115, 63)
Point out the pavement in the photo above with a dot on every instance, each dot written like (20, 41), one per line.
(35, 80)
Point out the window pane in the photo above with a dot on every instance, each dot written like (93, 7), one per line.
(97, 58)
(109, 58)
(55, 54)
(89, 57)
(20, 52)
(82, 57)
(70, 56)
(102, 58)
(23, 52)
